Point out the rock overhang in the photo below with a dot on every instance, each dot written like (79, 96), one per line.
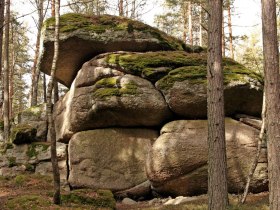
(83, 37)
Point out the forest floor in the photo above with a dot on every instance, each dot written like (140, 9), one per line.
(32, 192)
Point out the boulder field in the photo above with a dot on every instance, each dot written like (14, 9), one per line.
(134, 120)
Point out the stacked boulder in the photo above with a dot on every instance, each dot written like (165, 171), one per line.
(135, 114)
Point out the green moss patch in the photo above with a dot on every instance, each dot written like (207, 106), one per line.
(167, 67)
(12, 161)
(35, 147)
(109, 87)
(97, 199)
(99, 24)
(145, 62)
(28, 202)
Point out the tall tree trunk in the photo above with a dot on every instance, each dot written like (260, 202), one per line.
(255, 161)
(272, 90)
(217, 165)
(2, 9)
(45, 87)
(12, 59)
(6, 104)
(200, 25)
(121, 11)
(223, 38)
(51, 126)
(55, 84)
(190, 23)
(55, 91)
(35, 70)
(185, 21)
(230, 31)
(53, 7)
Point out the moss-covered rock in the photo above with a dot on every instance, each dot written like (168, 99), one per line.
(22, 134)
(83, 37)
(172, 66)
(125, 101)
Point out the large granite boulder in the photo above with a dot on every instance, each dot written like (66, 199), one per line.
(177, 163)
(112, 158)
(82, 37)
(181, 77)
(105, 97)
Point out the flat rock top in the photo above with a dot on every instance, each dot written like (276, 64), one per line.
(83, 37)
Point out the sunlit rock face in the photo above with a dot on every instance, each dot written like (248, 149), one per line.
(135, 114)
(110, 158)
(82, 37)
(177, 163)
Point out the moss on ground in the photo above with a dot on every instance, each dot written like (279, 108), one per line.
(12, 162)
(97, 199)
(99, 24)
(28, 202)
(109, 87)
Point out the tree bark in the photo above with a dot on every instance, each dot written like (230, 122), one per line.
(6, 105)
(223, 38)
(51, 126)
(121, 11)
(272, 90)
(200, 25)
(53, 7)
(35, 70)
(190, 24)
(255, 162)
(230, 31)
(2, 9)
(55, 92)
(185, 21)
(217, 165)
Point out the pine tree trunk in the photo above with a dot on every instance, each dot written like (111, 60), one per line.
(35, 70)
(200, 26)
(223, 38)
(53, 7)
(6, 105)
(2, 9)
(272, 90)
(185, 21)
(55, 91)
(255, 162)
(230, 31)
(45, 88)
(190, 24)
(121, 13)
(217, 165)
(51, 126)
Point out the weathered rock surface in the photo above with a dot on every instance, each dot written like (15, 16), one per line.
(140, 191)
(181, 77)
(109, 158)
(104, 97)
(177, 163)
(35, 157)
(83, 37)
(30, 125)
